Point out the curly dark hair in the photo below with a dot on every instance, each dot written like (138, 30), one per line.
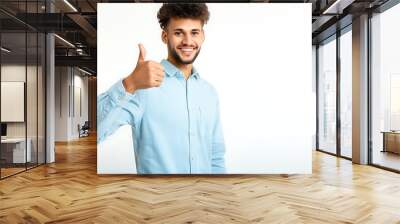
(182, 10)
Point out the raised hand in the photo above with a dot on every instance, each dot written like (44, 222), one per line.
(147, 74)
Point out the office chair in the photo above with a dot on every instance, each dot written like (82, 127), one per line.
(84, 130)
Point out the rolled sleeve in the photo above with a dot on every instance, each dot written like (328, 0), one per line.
(119, 95)
(117, 107)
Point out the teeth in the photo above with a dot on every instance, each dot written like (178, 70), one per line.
(186, 49)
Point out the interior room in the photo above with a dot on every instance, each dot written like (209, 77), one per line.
(49, 130)
(22, 101)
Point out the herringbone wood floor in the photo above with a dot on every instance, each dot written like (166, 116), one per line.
(70, 191)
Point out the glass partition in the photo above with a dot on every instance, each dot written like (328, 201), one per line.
(385, 89)
(13, 105)
(327, 96)
(22, 77)
(346, 94)
(31, 100)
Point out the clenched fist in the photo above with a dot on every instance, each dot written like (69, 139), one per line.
(147, 74)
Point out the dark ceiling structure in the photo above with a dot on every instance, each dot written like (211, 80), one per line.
(75, 22)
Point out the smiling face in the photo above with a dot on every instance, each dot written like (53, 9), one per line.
(184, 38)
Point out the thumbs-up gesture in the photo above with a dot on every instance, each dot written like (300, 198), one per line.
(147, 74)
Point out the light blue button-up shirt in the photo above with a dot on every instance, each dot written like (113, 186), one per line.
(177, 127)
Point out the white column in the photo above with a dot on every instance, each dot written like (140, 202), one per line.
(50, 93)
(50, 108)
(360, 90)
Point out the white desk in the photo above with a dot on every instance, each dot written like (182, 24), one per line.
(18, 149)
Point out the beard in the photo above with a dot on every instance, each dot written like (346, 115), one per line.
(179, 59)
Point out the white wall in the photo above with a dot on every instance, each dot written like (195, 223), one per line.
(34, 124)
(61, 103)
(80, 83)
(69, 82)
(15, 72)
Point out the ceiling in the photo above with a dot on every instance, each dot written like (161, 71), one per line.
(76, 22)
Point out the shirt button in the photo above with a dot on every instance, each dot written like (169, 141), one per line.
(192, 133)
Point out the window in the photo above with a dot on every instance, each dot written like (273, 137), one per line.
(385, 89)
(346, 93)
(327, 96)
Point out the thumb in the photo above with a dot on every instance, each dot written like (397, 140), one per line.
(142, 53)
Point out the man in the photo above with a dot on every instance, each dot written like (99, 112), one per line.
(173, 112)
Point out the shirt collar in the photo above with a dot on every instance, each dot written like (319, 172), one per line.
(171, 70)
